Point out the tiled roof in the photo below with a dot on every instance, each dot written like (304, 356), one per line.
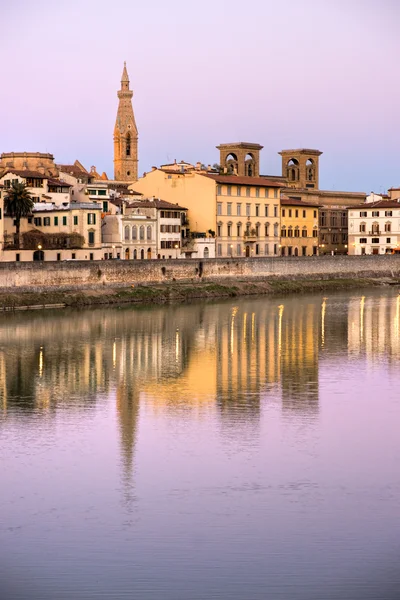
(25, 173)
(74, 170)
(58, 182)
(236, 180)
(155, 203)
(379, 204)
(287, 201)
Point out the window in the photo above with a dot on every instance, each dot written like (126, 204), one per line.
(239, 190)
(290, 232)
(64, 220)
(362, 227)
(91, 256)
(248, 192)
(229, 210)
(219, 190)
(375, 213)
(73, 256)
(266, 229)
(229, 230)
(102, 193)
(283, 231)
(335, 238)
(46, 221)
(275, 193)
(134, 232)
(58, 255)
(315, 232)
(257, 210)
(239, 249)
(257, 249)
(229, 190)
(257, 194)
(92, 192)
(248, 210)
(105, 206)
(258, 229)
(266, 210)
(296, 213)
(276, 229)
(315, 214)
(322, 219)
(375, 240)
(75, 220)
(363, 240)
(363, 213)
(128, 144)
(219, 208)
(239, 230)
(304, 214)
(388, 227)
(266, 192)
(149, 236)
(219, 249)
(56, 221)
(91, 238)
(388, 240)
(219, 230)
(238, 209)
(91, 219)
(388, 213)
(18, 257)
(283, 212)
(38, 221)
(296, 232)
(126, 233)
(304, 232)
(290, 212)
(304, 250)
(275, 249)
(275, 210)
(141, 232)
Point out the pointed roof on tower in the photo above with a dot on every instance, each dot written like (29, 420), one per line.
(125, 76)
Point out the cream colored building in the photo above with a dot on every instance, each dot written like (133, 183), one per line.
(241, 212)
(374, 227)
(131, 234)
(299, 228)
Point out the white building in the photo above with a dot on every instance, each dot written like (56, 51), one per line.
(374, 227)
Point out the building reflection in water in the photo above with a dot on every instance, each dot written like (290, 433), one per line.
(226, 357)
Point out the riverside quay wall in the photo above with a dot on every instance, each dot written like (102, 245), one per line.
(75, 275)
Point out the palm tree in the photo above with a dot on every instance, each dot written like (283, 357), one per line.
(18, 203)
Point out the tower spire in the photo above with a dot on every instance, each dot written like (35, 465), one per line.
(125, 134)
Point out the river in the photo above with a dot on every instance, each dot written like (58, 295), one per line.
(242, 450)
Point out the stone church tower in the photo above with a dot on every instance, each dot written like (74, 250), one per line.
(125, 135)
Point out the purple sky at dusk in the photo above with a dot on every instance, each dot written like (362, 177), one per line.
(301, 73)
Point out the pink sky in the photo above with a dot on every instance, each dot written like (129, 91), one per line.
(300, 73)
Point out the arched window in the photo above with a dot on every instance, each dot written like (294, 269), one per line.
(128, 144)
(388, 227)
(135, 254)
(276, 229)
(149, 232)
(290, 231)
(126, 253)
(134, 232)
(148, 253)
(126, 232)
(266, 229)
(206, 252)
(142, 254)
(141, 232)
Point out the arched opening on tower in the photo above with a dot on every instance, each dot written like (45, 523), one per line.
(128, 144)
(249, 165)
(231, 164)
(310, 169)
(293, 170)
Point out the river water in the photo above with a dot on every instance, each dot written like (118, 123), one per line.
(242, 450)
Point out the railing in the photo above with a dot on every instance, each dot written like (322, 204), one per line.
(373, 232)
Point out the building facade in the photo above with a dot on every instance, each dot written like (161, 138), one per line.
(374, 227)
(299, 228)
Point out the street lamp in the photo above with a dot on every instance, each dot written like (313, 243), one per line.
(176, 250)
(39, 246)
(231, 250)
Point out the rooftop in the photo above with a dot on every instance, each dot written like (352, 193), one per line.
(236, 180)
(25, 173)
(288, 201)
(155, 203)
(379, 204)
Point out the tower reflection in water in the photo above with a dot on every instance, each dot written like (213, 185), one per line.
(229, 357)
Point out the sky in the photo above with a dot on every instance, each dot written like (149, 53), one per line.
(296, 74)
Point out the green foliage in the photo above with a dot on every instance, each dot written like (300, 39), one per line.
(18, 203)
(52, 241)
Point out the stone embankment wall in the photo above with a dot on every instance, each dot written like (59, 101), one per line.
(91, 274)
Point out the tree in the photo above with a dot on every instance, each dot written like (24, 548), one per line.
(18, 203)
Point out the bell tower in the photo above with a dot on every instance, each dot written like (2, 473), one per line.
(301, 168)
(240, 158)
(125, 135)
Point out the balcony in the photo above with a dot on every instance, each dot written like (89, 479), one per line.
(376, 232)
(250, 236)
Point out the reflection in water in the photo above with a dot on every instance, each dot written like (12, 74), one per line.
(195, 397)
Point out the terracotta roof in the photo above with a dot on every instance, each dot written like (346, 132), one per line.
(378, 204)
(236, 180)
(155, 203)
(25, 173)
(287, 201)
(74, 170)
(58, 182)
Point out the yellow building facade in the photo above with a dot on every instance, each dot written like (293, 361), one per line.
(299, 228)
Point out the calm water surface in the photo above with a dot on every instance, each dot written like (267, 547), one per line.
(244, 450)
